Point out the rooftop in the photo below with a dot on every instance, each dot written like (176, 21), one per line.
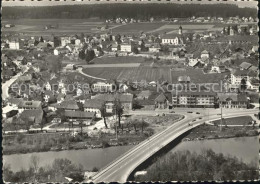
(79, 114)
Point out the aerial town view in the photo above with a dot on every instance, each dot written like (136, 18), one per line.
(129, 91)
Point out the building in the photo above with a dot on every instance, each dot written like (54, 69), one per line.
(245, 66)
(196, 99)
(238, 75)
(29, 105)
(163, 101)
(171, 39)
(14, 45)
(126, 47)
(93, 105)
(232, 100)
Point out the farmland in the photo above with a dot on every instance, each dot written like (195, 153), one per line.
(153, 74)
(117, 60)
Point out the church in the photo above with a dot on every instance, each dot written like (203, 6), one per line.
(173, 39)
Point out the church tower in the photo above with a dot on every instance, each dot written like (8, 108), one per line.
(180, 30)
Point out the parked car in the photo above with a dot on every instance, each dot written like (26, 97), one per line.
(189, 112)
(197, 113)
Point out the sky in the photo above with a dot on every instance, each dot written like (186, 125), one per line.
(246, 3)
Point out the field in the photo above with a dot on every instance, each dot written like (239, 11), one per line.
(36, 27)
(130, 74)
(153, 74)
(62, 26)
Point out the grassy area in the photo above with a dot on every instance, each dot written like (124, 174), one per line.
(244, 120)
(213, 132)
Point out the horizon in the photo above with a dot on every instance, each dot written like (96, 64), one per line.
(28, 3)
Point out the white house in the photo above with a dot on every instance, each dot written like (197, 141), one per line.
(126, 47)
(204, 54)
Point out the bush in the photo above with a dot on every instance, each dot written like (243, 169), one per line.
(95, 169)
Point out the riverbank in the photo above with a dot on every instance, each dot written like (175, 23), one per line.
(133, 131)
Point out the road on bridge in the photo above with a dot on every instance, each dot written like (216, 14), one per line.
(121, 168)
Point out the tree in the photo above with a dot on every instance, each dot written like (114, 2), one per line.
(81, 127)
(103, 113)
(118, 110)
(243, 85)
(90, 54)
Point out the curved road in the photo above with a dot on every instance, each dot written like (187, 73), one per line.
(121, 168)
(90, 76)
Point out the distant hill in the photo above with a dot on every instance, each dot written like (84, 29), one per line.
(137, 11)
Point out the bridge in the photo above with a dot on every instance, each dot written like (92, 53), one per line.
(120, 169)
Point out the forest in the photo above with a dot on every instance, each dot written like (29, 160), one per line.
(124, 10)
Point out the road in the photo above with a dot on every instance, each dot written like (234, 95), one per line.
(8, 83)
(120, 169)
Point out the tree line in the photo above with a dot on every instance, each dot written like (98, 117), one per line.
(137, 11)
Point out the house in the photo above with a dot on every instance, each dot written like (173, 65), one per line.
(68, 105)
(254, 69)
(163, 101)
(60, 98)
(144, 95)
(9, 111)
(245, 66)
(253, 84)
(232, 100)
(59, 51)
(34, 115)
(29, 105)
(195, 62)
(204, 54)
(93, 105)
(184, 79)
(86, 117)
(154, 48)
(171, 39)
(124, 47)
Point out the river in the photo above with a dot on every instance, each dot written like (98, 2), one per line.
(245, 148)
